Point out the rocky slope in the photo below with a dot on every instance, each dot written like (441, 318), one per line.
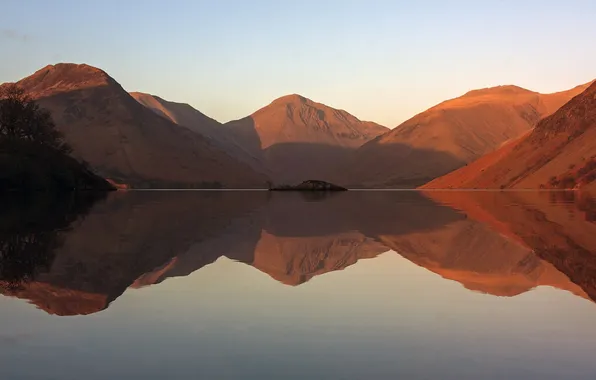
(450, 135)
(559, 152)
(124, 140)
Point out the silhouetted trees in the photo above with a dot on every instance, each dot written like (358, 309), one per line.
(34, 155)
(32, 228)
(22, 119)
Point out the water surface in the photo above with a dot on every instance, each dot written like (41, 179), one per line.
(247, 285)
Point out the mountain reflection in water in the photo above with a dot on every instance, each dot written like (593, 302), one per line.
(75, 257)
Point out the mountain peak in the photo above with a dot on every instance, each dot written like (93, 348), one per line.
(498, 90)
(63, 77)
(66, 66)
(292, 99)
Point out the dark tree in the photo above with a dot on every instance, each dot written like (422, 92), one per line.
(21, 118)
(32, 229)
(34, 156)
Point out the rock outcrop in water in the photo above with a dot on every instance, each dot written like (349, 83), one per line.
(310, 185)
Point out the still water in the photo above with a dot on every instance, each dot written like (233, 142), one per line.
(258, 285)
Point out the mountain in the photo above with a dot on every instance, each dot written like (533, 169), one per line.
(126, 142)
(559, 152)
(450, 135)
(297, 139)
(185, 115)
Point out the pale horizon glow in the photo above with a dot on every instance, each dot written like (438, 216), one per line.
(381, 60)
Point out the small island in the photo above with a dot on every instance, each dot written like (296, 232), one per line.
(310, 185)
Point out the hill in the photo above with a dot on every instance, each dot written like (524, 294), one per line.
(297, 139)
(185, 115)
(123, 140)
(560, 152)
(450, 135)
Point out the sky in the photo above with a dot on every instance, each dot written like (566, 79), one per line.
(383, 61)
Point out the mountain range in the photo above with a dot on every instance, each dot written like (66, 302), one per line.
(142, 140)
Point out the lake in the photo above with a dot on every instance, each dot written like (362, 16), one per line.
(260, 285)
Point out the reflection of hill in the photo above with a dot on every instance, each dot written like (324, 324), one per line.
(479, 258)
(295, 260)
(294, 238)
(556, 226)
(125, 237)
(139, 239)
(31, 230)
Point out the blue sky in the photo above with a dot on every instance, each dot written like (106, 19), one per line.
(380, 60)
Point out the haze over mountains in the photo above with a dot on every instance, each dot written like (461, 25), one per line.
(143, 140)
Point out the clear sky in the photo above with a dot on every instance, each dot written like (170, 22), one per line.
(380, 60)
